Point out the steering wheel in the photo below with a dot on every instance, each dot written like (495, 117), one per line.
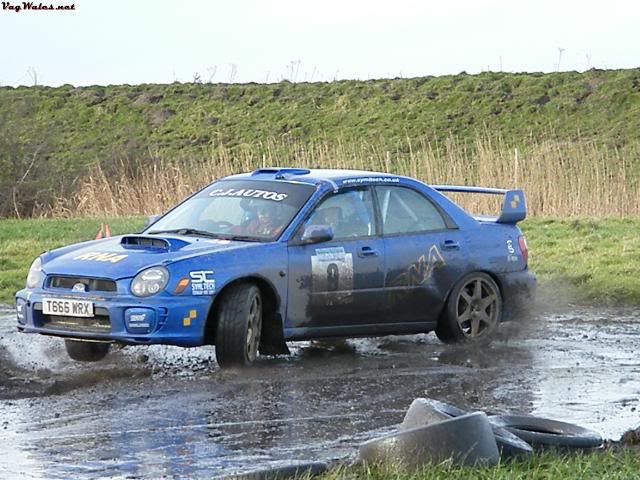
(217, 226)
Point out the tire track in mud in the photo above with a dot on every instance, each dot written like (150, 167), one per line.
(165, 411)
(25, 374)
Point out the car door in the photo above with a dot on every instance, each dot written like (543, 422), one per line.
(335, 287)
(424, 254)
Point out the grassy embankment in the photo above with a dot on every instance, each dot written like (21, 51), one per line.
(611, 465)
(51, 137)
(593, 260)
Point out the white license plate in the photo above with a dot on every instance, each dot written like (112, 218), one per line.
(68, 308)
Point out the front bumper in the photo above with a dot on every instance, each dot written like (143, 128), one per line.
(161, 319)
(518, 294)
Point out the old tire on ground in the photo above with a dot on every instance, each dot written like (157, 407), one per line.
(473, 310)
(466, 440)
(239, 326)
(421, 413)
(86, 351)
(543, 433)
(428, 411)
(510, 446)
(425, 411)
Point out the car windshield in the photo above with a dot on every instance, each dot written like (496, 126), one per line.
(237, 210)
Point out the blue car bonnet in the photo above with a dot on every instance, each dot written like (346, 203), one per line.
(124, 256)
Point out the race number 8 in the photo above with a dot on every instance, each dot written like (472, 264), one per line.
(333, 277)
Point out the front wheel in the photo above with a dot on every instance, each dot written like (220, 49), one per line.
(239, 326)
(86, 351)
(472, 312)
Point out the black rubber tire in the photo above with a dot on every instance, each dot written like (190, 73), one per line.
(239, 326)
(86, 351)
(544, 434)
(509, 445)
(449, 329)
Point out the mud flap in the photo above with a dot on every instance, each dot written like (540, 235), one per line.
(272, 339)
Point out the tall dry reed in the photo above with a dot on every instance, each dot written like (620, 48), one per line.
(559, 178)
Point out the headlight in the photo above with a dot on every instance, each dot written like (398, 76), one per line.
(34, 278)
(150, 281)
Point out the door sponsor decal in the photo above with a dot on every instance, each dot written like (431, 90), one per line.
(420, 271)
(332, 270)
(202, 282)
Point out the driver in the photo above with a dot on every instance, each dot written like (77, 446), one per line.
(265, 223)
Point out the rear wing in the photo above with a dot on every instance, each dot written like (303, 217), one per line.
(514, 207)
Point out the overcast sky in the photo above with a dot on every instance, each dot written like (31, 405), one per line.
(158, 41)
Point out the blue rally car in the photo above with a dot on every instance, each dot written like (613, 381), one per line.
(254, 260)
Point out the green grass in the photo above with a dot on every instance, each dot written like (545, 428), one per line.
(587, 260)
(621, 464)
(23, 240)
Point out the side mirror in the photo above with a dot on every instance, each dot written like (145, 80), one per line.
(317, 234)
(151, 219)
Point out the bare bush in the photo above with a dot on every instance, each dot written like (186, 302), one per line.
(559, 179)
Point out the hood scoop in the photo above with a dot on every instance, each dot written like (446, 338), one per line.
(144, 242)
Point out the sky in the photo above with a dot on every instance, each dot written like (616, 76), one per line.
(104, 42)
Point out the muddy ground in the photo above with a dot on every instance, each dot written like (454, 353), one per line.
(169, 412)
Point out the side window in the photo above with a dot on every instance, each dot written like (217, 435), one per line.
(350, 214)
(406, 211)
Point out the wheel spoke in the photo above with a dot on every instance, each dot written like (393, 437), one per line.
(475, 327)
(466, 315)
(254, 327)
(484, 317)
(249, 336)
(477, 290)
(466, 297)
(488, 301)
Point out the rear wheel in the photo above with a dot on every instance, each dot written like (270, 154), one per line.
(239, 326)
(473, 310)
(86, 351)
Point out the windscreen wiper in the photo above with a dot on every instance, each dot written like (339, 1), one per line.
(188, 231)
(240, 238)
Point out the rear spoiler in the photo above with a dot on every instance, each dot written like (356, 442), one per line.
(514, 206)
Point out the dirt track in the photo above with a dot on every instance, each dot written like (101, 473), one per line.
(163, 411)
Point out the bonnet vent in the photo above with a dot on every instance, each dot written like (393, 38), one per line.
(145, 242)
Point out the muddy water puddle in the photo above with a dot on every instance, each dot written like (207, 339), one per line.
(168, 412)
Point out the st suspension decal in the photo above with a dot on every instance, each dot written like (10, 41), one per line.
(202, 282)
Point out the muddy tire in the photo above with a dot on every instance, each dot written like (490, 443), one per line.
(473, 311)
(239, 326)
(86, 351)
(544, 434)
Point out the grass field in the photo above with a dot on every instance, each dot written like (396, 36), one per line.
(621, 464)
(23, 240)
(576, 260)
